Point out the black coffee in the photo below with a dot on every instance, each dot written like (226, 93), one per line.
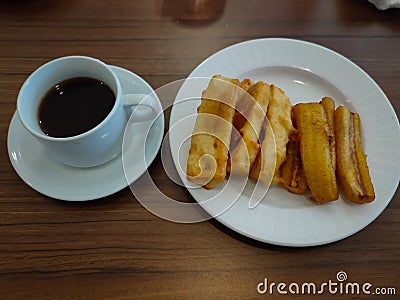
(74, 106)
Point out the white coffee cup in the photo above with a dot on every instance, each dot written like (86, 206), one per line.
(97, 145)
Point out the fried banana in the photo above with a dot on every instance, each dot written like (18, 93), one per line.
(292, 175)
(278, 130)
(245, 152)
(264, 167)
(313, 131)
(329, 106)
(243, 104)
(352, 168)
(211, 136)
(241, 113)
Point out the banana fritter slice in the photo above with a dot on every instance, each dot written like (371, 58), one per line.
(329, 106)
(313, 131)
(246, 150)
(211, 136)
(292, 175)
(278, 130)
(352, 168)
(243, 104)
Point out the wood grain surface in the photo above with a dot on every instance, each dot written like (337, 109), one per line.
(113, 248)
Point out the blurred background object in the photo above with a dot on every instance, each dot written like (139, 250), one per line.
(193, 12)
(385, 4)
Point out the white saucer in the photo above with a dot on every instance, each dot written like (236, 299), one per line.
(60, 181)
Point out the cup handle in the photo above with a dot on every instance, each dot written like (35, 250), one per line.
(142, 111)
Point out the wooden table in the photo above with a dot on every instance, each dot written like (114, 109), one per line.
(113, 248)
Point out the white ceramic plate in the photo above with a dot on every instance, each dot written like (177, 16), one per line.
(306, 72)
(63, 182)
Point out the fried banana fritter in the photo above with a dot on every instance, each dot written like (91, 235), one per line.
(246, 150)
(352, 168)
(313, 131)
(278, 130)
(211, 137)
